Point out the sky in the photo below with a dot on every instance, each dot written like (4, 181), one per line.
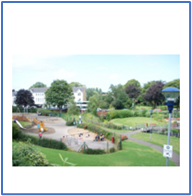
(93, 70)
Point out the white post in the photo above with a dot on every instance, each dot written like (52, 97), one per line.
(168, 140)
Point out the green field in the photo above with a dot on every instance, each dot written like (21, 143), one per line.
(131, 121)
(133, 154)
(159, 140)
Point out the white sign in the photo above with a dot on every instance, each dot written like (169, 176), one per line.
(167, 151)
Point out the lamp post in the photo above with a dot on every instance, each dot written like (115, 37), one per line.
(171, 94)
(151, 112)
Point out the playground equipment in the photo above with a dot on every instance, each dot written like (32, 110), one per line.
(42, 126)
(19, 124)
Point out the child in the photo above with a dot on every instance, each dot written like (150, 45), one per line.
(40, 135)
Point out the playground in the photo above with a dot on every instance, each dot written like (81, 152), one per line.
(56, 128)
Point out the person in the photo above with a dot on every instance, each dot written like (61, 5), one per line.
(40, 135)
(63, 139)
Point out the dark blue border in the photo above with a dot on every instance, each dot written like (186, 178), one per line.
(189, 2)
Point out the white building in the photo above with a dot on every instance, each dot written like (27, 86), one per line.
(38, 95)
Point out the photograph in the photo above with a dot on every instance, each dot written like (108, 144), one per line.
(96, 110)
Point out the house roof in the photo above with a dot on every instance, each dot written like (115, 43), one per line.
(38, 90)
(75, 89)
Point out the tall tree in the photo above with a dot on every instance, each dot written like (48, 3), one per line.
(153, 95)
(93, 104)
(72, 108)
(58, 94)
(133, 82)
(92, 91)
(24, 98)
(38, 85)
(173, 83)
(132, 92)
(76, 84)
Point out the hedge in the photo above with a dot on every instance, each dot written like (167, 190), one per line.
(17, 134)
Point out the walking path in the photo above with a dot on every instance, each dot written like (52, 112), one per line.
(175, 157)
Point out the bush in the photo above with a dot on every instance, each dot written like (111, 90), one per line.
(124, 137)
(111, 150)
(119, 146)
(143, 113)
(44, 142)
(15, 131)
(69, 123)
(147, 114)
(26, 154)
(175, 130)
(94, 151)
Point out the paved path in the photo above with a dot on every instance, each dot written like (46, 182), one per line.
(175, 157)
(59, 125)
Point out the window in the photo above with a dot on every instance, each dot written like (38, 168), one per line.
(79, 99)
(79, 94)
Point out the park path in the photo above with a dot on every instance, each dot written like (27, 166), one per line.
(175, 156)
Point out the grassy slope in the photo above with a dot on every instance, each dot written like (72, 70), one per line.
(159, 140)
(131, 121)
(133, 154)
(24, 123)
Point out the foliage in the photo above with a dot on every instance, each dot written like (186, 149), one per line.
(173, 83)
(72, 108)
(38, 85)
(65, 160)
(124, 137)
(94, 151)
(154, 95)
(24, 98)
(16, 109)
(76, 84)
(58, 94)
(92, 91)
(112, 149)
(132, 91)
(69, 123)
(93, 105)
(25, 154)
(15, 131)
(133, 82)
(44, 142)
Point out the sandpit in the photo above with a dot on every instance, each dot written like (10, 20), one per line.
(76, 131)
(50, 130)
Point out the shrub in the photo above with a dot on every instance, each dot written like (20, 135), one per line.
(119, 145)
(15, 131)
(124, 137)
(143, 113)
(26, 154)
(44, 142)
(147, 114)
(111, 150)
(69, 123)
(175, 130)
(94, 151)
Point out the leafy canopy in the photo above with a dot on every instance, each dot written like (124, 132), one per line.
(38, 85)
(133, 82)
(24, 98)
(58, 94)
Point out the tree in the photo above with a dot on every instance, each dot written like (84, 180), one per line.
(93, 91)
(173, 83)
(93, 105)
(132, 92)
(58, 94)
(72, 108)
(24, 98)
(133, 82)
(38, 85)
(76, 84)
(154, 95)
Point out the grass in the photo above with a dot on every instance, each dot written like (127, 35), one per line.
(133, 154)
(131, 121)
(24, 123)
(159, 140)
(143, 107)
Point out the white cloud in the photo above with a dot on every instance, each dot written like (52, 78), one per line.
(114, 76)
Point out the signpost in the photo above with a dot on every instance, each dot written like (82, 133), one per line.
(167, 151)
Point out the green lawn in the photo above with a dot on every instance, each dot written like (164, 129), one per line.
(133, 154)
(131, 121)
(159, 140)
(24, 123)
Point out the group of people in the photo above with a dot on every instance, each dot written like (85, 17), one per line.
(99, 137)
